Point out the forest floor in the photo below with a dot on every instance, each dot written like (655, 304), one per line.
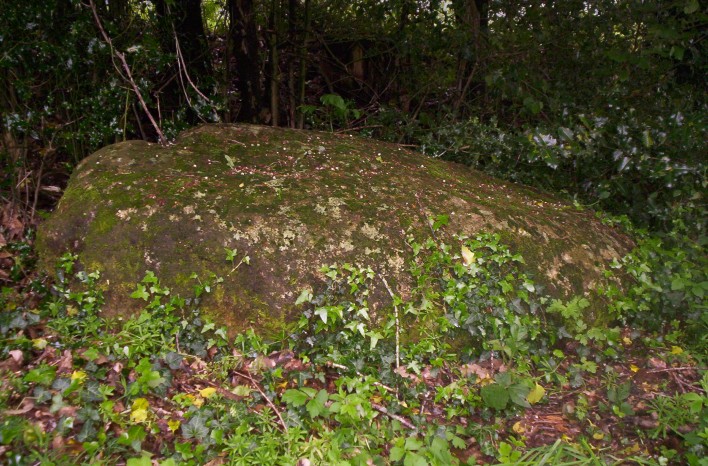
(77, 389)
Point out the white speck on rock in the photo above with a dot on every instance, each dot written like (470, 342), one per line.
(370, 231)
(126, 213)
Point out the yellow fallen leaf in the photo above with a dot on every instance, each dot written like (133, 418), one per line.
(79, 376)
(518, 427)
(598, 435)
(627, 341)
(139, 410)
(633, 368)
(536, 394)
(634, 448)
(198, 401)
(207, 392)
(173, 424)
(140, 403)
(39, 343)
(139, 415)
(676, 350)
(467, 255)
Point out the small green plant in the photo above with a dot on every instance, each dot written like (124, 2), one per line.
(334, 111)
(676, 414)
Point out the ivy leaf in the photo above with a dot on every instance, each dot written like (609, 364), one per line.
(414, 459)
(142, 461)
(42, 375)
(396, 453)
(150, 278)
(316, 406)
(441, 451)
(467, 255)
(413, 444)
(375, 337)
(518, 393)
(196, 429)
(173, 360)
(241, 390)
(322, 312)
(173, 424)
(440, 221)
(495, 396)
(304, 297)
(295, 397)
(458, 442)
(140, 293)
(678, 284)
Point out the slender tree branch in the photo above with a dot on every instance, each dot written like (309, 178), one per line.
(265, 397)
(400, 419)
(398, 326)
(183, 67)
(128, 75)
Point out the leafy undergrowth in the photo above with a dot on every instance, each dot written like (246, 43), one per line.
(475, 365)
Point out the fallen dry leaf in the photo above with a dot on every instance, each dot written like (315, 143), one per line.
(657, 363)
(13, 225)
(14, 362)
(68, 411)
(27, 404)
(66, 363)
(403, 372)
(474, 369)
(17, 356)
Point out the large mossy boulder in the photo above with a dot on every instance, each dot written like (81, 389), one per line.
(294, 201)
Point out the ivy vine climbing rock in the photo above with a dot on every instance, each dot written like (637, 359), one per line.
(294, 201)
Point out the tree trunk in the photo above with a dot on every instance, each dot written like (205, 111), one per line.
(292, 54)
(183, 18)
(473, 18)
(274, 75)
(243, 45)
(303, 66)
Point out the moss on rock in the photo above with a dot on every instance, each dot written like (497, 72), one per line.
(293, 201)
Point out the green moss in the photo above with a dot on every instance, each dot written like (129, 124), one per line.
(296, 200)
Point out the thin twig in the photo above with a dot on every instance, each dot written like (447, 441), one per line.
(270, 403)
(400, 419)
(128, 75)
(180, 58)
(378, 384)
(684, 368)
(398, 327)
(358, 128)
